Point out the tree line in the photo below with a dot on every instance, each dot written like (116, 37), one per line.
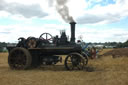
(115, 44)
(122, 45)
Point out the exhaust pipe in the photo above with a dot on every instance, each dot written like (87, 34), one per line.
(72, 24)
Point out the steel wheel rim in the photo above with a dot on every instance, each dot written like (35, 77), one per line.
(74, 62)
(85, 58)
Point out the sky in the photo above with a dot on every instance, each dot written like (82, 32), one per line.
(97, 20)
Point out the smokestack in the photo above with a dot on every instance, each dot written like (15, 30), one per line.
(72, 24)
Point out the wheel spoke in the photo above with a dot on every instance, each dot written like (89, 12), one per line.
(80, 65)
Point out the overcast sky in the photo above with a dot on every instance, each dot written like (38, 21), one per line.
(97, 20)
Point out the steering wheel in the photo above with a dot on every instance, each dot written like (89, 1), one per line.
(46, 36)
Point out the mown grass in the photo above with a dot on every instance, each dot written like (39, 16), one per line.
(102, 71)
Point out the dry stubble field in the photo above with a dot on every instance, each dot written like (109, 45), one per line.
(103, 71)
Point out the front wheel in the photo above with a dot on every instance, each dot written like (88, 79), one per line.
(74, 61)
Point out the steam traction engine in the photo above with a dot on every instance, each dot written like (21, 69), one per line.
(32, 52)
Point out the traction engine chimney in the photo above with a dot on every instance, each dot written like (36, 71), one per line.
(72, 24)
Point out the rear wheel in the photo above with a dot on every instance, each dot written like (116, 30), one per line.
(74, 61)
(19, 58)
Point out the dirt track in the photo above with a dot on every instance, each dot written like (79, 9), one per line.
(103, 71)
(117, 52)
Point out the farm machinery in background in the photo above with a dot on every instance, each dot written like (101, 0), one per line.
(46, 50)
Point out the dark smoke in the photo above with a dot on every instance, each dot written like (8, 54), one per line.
(62, 9)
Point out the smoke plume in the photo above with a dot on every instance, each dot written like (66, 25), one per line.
(62, 9)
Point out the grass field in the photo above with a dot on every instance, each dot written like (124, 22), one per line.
(102, 71)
